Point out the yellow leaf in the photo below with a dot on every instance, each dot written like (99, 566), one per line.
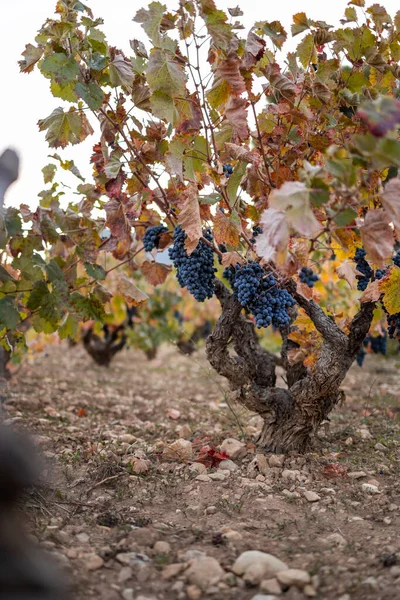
(390, 286)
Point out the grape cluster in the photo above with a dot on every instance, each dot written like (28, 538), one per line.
(393, 322)
(377, 343)
(379, 273)
(364, 268)
(360, 357)
(256, 231)
(195, 272)
(396, 259)
(258, 291)
(228, 170)
(152, 237)
(308, 276)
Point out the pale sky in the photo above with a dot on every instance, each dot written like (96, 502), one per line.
(26, 98)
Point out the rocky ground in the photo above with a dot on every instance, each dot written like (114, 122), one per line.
(130, 510)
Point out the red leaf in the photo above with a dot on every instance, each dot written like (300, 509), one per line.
(210, 456)
(333, 470)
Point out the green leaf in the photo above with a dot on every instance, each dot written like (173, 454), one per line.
(163, 107)
(95, 271)
(61, 68)
(216, 23)
(164, 74)
(356, 82)
(345, 217)
(300, 23)
(150, 20)
(9, 315)
(12, 220)
(88, 307)
(39, 291)
(351, 14)
(273, 30)
(306, 51)
(68, 327)
(91, 93)
(234, 181)
(63, 128)
(48, 173)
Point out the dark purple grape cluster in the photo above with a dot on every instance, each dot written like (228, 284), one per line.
(258, 291)
(152, 237)
(308, 276)
(256, 231)
(393, 322)
(228, 170)
(379, 273)
(364, 268)
(360, 357)
(377, 343)
(195, 272)
(396, 259)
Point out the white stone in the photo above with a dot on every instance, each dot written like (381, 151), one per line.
(228, 465)
(204, 572)
(255, 566)
(205, 478)
(230, 534)
(162, 547)
(276, 460)
(271, 586)
(128, 438)
(288, 475)
(125, 574)
(381, 447)
(311, 496)
(368, 488)
(335, 539)
(127, 594)
(296, 577)
(218, 476)
(198, 468)
(357, 474)
(233, 448)
(94, 562)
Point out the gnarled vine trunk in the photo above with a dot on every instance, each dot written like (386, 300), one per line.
(291, 416)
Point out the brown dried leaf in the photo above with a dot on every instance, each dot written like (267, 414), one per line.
(130, 292)
(243, 153)
(347, 271)
(305, 291)
(377, 237)
(236, 113)
(391, 202)
(372, 293)
(231, 259)
(155, 273)
(225, 230)
(253, 50)
(189, 217)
